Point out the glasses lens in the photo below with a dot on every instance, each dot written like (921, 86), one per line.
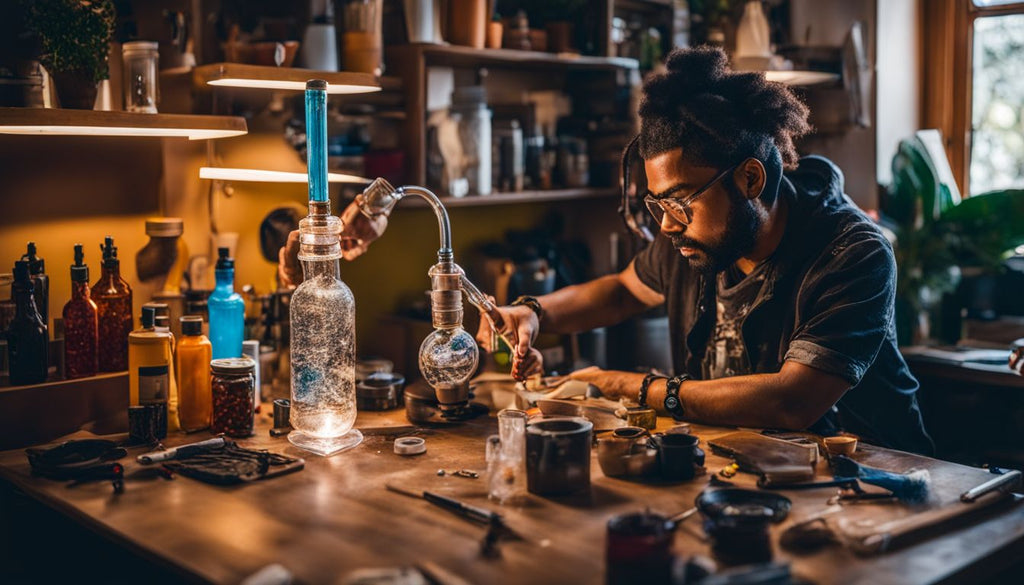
(655, 209)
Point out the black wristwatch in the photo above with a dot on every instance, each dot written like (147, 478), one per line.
(673, 404)
(645, 386)
(532, 303)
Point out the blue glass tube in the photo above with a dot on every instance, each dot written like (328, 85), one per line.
(316, 138)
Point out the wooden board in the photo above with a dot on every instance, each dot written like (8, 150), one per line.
(336, 516)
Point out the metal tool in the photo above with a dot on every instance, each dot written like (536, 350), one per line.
(180, 452)
(1003, 482)
(468, 511)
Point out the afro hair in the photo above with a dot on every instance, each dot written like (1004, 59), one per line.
(718, 116)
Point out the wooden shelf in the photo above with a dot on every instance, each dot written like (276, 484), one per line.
(66, 122)
(285, 78)
(540, 196)
(458, 56)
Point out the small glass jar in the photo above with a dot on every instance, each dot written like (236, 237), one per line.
(140, 76)
(233, 386)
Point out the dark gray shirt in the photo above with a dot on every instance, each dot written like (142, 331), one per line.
(726, 354)
(827, 302)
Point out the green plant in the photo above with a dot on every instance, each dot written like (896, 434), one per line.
(937, 233)
(74, 35)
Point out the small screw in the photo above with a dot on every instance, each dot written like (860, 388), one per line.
(440, 473)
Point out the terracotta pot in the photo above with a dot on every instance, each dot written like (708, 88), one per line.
(494, 34)
(467, 21)
(75, 89)
(560, 37)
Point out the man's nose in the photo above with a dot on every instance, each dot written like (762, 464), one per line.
(670, 225)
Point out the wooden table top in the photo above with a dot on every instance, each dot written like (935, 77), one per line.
(336, 516)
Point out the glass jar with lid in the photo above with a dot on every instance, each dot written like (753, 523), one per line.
(140, 76)
(233, 386)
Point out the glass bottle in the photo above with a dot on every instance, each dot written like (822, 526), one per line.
(322, 312)
(227, 310)
(194, 352)
(40, 281)
(149, 376)
(113, 298)
(27, 338)
(140, 60)
(80, 324)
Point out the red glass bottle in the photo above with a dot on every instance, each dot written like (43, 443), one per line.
(113, 298)
(80, 324)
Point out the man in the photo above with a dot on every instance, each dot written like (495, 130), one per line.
(779, 291)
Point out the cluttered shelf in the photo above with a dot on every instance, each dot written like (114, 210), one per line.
(67, 122)
(458, 56)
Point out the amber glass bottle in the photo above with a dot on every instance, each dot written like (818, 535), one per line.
(113, 298)
(27, 338)
(194, 352)
(80, 323)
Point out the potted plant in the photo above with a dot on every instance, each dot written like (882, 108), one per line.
(74, 38)
(939, 237)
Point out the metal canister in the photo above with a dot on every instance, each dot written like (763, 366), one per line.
(558, 455)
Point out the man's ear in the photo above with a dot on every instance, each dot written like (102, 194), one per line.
(751, 178)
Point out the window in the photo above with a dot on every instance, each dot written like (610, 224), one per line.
(997, 102)
(974, 89)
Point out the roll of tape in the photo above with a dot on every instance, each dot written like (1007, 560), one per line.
(410, 446)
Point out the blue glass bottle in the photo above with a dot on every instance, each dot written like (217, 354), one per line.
(227, 311)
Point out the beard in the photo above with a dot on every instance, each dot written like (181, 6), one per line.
(741, 228)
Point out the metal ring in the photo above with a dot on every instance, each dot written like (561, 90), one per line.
(410, 446)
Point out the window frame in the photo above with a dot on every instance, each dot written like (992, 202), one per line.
(948, 75)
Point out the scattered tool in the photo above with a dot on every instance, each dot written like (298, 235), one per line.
(911, 487)
(1004, 482)
(468, 474)
(180, 452)
(494, 521)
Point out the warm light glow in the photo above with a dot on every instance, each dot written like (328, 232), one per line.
(289, 85)
(800, 77)
(263, 176)
(53, 129)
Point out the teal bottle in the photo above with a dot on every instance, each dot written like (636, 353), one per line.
(227, 310)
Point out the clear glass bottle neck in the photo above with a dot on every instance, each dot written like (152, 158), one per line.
(329, 267)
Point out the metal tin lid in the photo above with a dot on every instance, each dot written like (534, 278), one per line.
(233, 366)
(133, 46)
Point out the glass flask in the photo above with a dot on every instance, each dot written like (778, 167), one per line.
(322, 313)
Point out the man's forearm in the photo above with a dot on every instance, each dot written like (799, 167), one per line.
(600, 302)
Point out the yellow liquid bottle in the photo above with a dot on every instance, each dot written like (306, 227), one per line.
(195, 398)
(150, 371)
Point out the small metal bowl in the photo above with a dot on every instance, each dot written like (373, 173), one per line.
(380, 391)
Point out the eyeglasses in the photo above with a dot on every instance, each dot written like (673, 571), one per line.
(679, 208)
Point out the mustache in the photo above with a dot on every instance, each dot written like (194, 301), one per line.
(681, 241)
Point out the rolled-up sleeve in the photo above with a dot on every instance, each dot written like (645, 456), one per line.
(845, 307)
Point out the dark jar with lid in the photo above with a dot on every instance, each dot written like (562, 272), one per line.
(233, 387)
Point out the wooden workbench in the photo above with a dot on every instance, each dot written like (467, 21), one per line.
(335, 516)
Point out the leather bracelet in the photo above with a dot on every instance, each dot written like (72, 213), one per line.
(673, 404)
(645, 386)
(532, 303)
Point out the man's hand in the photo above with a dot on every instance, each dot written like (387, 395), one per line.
(356, 234)
(520, 329)
(612, 384)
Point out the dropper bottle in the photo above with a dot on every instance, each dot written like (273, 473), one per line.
(113, 298)
(80, 323)
(27, 338)
(40, 281)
